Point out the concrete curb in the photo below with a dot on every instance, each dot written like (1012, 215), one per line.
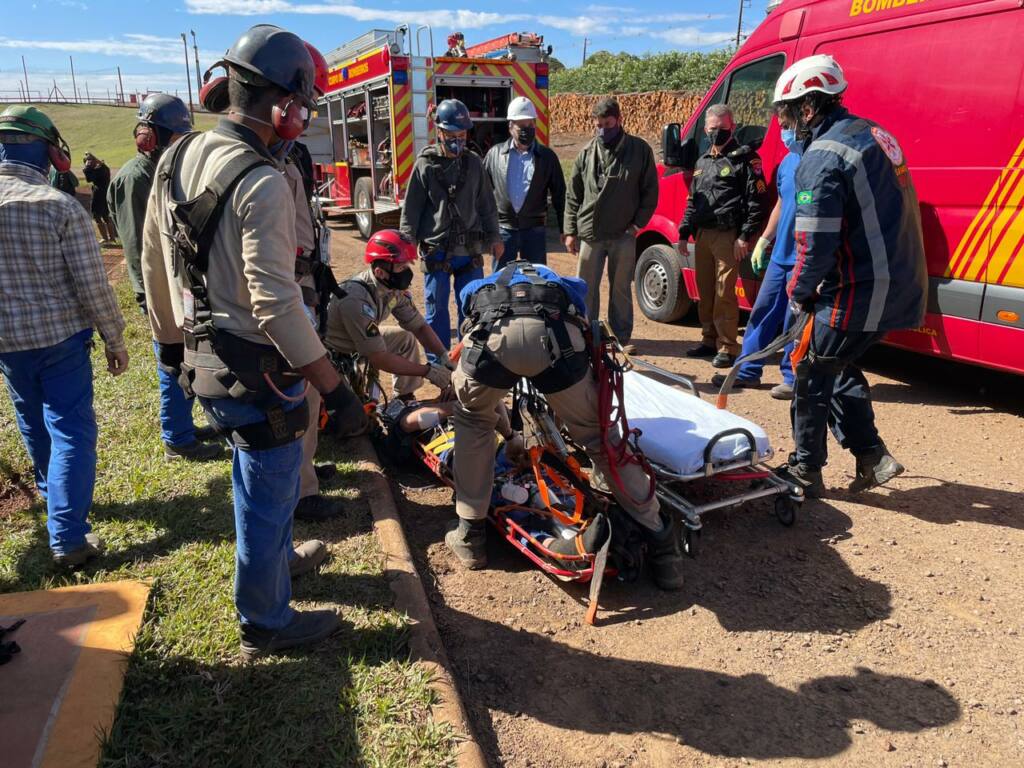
(425, 643)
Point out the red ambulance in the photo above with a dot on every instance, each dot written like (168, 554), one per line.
(945, 77)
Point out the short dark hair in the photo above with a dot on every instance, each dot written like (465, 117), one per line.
(248, 97)
(606, 108)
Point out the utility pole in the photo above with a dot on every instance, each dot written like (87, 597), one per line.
(25, 70)
(585, 41)
(88, 98)
(74, 85)
(739, 24)
(195, 50)
(188, 76)
(120, 83)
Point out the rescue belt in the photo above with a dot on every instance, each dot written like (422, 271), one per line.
(618, 442)
(456, 229)
(218, 364)
(538, 297)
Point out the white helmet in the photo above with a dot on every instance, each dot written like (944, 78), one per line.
(814, 73)
(521, 108)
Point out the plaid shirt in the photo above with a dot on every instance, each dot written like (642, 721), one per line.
(52, 280)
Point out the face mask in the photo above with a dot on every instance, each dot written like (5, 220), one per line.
(526, 135)
(398, 281)
(455, 146)
(281, 148)
(609, 135)
(720, 136)
(35, 154)
(791, 142)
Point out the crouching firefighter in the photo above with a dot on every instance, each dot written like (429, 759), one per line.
(218, 267)
(359, 306)
(450, 213)
(527, 321)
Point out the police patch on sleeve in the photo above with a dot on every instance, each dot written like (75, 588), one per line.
(760, 186)
(372, 330)
(370, 312)
(757, 167)
(889, 145)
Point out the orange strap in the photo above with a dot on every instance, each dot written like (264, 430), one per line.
(561, 484)
(800, 350)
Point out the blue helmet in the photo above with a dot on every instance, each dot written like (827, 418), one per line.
(452, 115)
(166, 111)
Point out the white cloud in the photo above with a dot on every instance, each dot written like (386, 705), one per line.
(693, 36)
(157, 50)
(675, 18)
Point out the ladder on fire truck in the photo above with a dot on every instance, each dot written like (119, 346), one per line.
(420, 74)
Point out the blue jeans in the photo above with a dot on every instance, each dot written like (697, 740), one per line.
(832, 393)
(437, 288)
(51, 389)
(769, 317)
(530, 244)
(176, 427)
(265, 486)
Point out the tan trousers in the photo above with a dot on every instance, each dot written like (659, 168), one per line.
(717, 270)
(402, 343)
(523, 345)
(621, 257)
(309, 485)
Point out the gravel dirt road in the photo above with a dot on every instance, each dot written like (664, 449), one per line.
(881, 630)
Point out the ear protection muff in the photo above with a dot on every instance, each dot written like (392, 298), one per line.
(214, 93)
(145, 138)
(60, 156)
(290, 122)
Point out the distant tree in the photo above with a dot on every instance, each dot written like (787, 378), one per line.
(554, 65)
(605, 72)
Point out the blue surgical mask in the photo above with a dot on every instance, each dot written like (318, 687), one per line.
(792, 143)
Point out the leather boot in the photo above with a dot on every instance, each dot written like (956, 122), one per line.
(664, 555)
(807, 478)
(875, 469)
(309, 556)
(305, 628)
(467, 540)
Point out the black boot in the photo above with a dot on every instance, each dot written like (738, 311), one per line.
(591, 539)
(875, 469)
(306, 628)
(467, 540)
(807, 478)
(664, 555)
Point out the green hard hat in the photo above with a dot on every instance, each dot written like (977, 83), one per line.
(18, 118)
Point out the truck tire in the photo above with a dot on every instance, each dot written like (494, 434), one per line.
(363, 198)
(660, 291)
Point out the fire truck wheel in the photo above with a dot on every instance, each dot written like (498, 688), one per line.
(363, 194)
(660, 291)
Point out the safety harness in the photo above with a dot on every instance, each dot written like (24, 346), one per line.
(537, 297)
(456, 229)
(218, 364)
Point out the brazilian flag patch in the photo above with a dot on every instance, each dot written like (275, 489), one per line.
(804, 198)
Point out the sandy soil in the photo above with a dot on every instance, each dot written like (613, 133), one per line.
(881, 630)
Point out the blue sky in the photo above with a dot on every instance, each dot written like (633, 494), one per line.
(143, 36)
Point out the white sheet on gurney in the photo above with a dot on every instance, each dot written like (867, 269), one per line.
(676, 427)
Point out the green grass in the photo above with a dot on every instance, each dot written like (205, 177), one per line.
(355, 701)
(104, 131)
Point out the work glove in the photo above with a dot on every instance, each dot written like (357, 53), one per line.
(350, 418)
(439, 375)
(759, 258)
(169, 358)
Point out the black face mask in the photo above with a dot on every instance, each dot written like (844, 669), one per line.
(398, 281)
(526, 135)
(720, 136)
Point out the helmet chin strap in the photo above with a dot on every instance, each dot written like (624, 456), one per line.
(251, 117)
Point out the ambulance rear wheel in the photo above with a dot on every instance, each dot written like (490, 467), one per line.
(660, 291)
(363, 198)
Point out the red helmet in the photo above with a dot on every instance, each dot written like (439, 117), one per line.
(391, 246)
(320, 66)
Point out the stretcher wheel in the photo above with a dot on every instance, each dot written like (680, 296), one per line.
(785, 510)
(690, 540)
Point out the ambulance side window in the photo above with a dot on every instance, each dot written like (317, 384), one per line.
(750, 95)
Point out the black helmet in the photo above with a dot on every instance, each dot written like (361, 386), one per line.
(452, 115)
(277, 56)
(165, 111)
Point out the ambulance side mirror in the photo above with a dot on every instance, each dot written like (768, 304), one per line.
(675, 152)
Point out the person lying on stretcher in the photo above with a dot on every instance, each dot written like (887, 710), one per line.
(429, 424)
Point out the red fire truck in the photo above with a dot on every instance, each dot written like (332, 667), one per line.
(375, 117)
(944, 76)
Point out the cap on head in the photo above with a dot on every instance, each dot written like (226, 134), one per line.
(521, 108)
(452, 115)
(166, 111)
(391, 246)
(18, 118)
(820, 73)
